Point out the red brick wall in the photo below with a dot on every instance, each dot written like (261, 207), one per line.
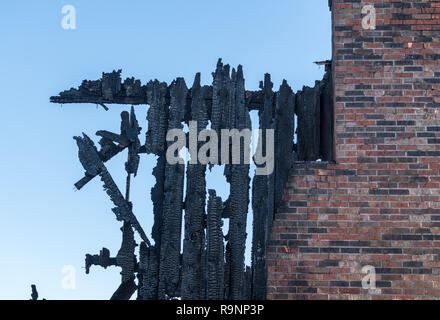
(379, 205)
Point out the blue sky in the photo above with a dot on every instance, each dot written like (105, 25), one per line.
(46, 224)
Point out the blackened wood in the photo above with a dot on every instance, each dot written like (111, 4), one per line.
(327, 118)
(221, 104)
(125, 290)
(103, 259)
(107, 90)
(227, 273)
(194, 237)
(263, 196)
(93, 165)
(215, 248)
(34, 294)
(157, 197)
(247, 291)
(157, 117)
(126, 258)
(149, 266)
(130, 129)
(284, 130)
(169, 266)
(237, 175)
(128, 138)
(163, 271)
(308, 107)
(129, 92)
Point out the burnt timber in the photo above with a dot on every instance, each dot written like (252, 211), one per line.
(210, 265)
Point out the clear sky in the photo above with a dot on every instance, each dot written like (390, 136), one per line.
(46, 225)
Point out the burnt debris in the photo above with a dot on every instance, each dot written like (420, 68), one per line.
(34, 294)
(209, 264)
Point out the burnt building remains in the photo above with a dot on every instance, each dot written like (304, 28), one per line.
(209, 264)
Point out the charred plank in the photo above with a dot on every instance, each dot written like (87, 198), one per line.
(194, 237)
(263, 196)
(169, 266)
(93, 165)
(237, 176)
(215, 248)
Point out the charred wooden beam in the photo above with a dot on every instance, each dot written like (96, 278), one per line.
(263, 196)
(128, 138)
(34, 294)
(221, 103)
(267, 190)
(107, 90)
(120, 139)
(130, 129)
(227, 273)
(247, 290)
(109, 149)
(237, 176)
(327, 118)
(157, 93)
(284, 130)
(194, 237)
(215, 248)
(125, 290)
(126, 258)
(203, 268)
(308, 107)
(149, 269)
(93, 165)
(155, 143)
(314, 107)
(157, 197)
(142, 270)
(254, 100)
(103, 260)
(169, 266)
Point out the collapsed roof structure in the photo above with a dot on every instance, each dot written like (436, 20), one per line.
(210, 265)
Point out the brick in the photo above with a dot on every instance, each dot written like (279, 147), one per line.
(378, 204)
